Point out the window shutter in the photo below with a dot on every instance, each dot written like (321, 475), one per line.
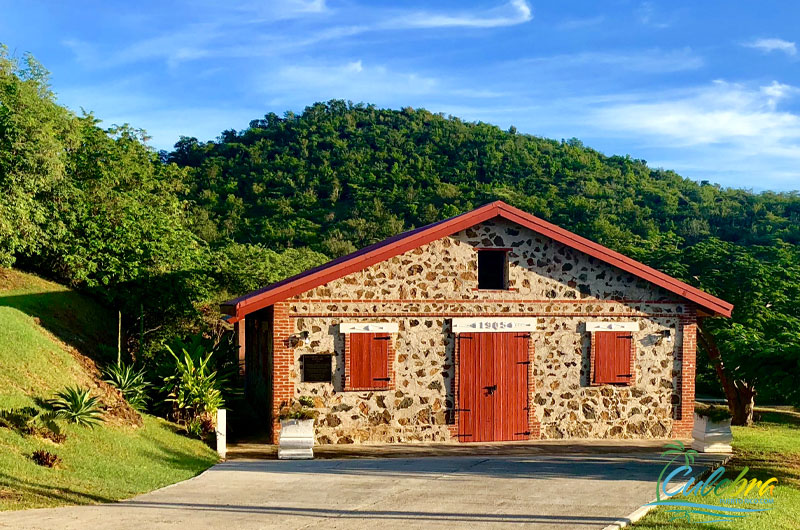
(612, 362)
(379, 360)
(369, 360)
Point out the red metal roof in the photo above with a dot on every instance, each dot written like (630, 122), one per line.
(393, 246)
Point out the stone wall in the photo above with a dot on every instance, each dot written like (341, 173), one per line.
(562, 288)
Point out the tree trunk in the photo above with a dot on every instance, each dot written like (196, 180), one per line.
(740, 394)
(742, 409)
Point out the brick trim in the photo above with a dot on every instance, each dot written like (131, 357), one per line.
(390, 358)
(687, 353)
(283, 362)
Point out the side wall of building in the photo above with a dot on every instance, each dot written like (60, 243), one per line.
(423, 289)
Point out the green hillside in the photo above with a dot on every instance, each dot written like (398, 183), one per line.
(41, 324)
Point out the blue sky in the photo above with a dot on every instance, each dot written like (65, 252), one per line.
(710, 89)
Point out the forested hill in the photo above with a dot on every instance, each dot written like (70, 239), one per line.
(340, 176)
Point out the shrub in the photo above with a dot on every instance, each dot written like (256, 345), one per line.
(30, 420)
(45, 458)
(130, 382)
(714, 413)
(77, 405)
(194, 388)
(301, 409)
(194, 428)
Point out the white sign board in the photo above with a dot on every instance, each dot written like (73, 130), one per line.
(612, 326)
(493, 324)
(368, 327)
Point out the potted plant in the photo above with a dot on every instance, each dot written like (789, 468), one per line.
(297, 430)
(712, 429)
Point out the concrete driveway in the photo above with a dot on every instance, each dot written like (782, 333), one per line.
(565, 492)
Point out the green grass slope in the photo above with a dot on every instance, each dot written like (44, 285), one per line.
(43, 328)
(770, 448)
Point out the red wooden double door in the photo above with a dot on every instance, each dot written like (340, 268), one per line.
(493, 387)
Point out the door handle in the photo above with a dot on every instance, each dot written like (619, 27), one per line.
(491, 389)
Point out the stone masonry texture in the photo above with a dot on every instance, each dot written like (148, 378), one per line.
(422, 289)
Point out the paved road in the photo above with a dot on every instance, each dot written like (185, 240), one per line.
(564, 492)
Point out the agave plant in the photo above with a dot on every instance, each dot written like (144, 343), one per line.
(77, 405)
(130, 382)
(31, 420)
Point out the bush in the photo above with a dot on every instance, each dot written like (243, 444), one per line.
(194, 388)
(200, 427)
(77, 405)
(194, 428)
(301, 409)
(714, 413)
(32, 421)
(130, 382)
(45, 458)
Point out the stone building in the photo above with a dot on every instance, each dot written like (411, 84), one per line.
(492, 325)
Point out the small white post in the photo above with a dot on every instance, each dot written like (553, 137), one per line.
(222, 450)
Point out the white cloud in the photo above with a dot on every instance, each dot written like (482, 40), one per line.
(510, 14)
(717, 114)
(776, 92)
(772, 45)
(353, 80)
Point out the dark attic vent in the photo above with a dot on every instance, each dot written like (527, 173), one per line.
(492, 269)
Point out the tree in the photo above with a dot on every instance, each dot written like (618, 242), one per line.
(36, 139)
(758, 350)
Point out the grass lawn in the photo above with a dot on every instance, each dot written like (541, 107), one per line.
(771, 448)
(99, 465)
(40, 323)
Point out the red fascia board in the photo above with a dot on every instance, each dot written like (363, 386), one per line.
(421, 236)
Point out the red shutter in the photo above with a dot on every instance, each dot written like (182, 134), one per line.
(612, 363)
(369, 360)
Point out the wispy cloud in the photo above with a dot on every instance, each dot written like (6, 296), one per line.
(225, 32)
(719, 113)
(352, 80)
(773, 45)
(645, 61)
(650, 16)
(275, 9)
(510, 14)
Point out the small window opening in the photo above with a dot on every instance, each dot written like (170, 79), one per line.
(316, 368)
(492, 267)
